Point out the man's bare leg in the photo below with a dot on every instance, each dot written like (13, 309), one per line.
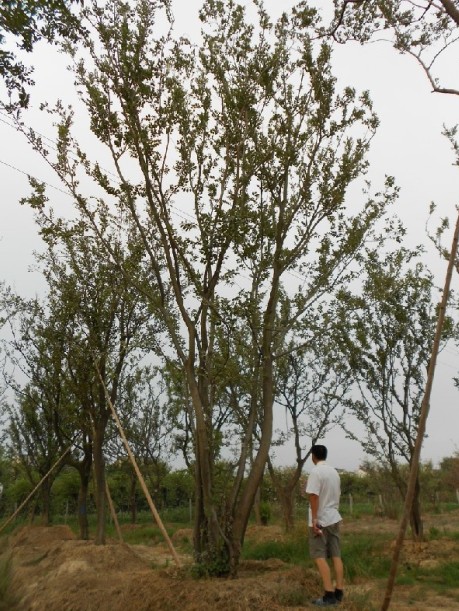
(339, 572)
(324, 571)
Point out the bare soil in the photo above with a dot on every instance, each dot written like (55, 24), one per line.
(52, 571)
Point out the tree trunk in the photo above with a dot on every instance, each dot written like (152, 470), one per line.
(132, 498)
(286, 493)
(83, 505)
(209, 543)
(83, 467)
(46, 500)
(417, 527)
(286, 498)
(240, 518)
(256, 506)
(32, 510)
(99, 477)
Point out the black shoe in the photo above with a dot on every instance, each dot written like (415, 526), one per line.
(339, 595)
(325, 602)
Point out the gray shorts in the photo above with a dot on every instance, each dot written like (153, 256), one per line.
(326, 545)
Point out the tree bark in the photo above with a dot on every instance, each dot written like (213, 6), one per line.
(417, 527)
(132, 498)
(46, 503)
(83, 467)
(83, 506)
(99, 476)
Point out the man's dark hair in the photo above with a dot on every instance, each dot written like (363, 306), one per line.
(320, 452)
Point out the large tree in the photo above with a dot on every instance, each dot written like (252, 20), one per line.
(232, 164)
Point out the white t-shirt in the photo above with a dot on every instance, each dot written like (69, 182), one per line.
(324, 481)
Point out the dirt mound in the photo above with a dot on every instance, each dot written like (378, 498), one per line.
(41, 535)
(51, 571)
(54, 572)
(182, 535)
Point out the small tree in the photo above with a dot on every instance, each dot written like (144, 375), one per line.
(36, 415)
(386, 331)
(312, 385)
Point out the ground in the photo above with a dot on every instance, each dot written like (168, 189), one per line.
(52, 571)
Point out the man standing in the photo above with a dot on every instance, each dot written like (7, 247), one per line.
(324, 490)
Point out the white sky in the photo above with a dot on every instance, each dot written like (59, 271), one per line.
(408, 145)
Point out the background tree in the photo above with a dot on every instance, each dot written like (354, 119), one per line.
(387, 332)
(449, 468)
(312, 384)
(36, 413)
(106, 339)
(144, 409)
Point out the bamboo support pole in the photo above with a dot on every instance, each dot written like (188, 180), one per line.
(113, 512)
(424, 412)
(139, 475)
(24, 503)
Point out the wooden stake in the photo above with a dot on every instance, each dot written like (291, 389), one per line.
(424, 412)
(138, 473)
(11, 518)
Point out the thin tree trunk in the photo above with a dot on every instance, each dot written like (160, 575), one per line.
(46, 501)
(132, 497)
(256, 505)
(99, 477)
(83, 505)
(417, 527)
(240, 519)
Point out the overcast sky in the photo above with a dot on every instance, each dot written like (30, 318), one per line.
(409, 145)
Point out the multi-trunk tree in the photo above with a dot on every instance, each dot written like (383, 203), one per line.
(76, 349)
(232, 163)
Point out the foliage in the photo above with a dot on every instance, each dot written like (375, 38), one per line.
(426, 30)
(450, 469)
(28, 21)
(265, 513)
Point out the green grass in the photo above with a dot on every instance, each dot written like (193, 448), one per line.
(440, 577)
(295, 597)
(365, 556)
(294, 550)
